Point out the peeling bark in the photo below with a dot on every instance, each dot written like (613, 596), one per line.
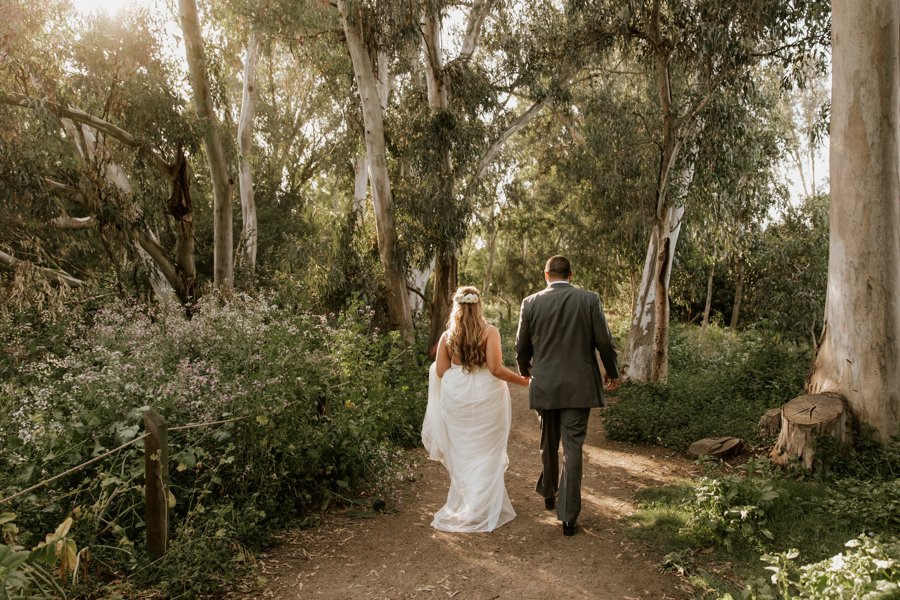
(646, 357)
(249, 236)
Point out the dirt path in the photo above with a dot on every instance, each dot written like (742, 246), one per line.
(397, 555)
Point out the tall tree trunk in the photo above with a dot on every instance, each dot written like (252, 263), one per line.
(360, 184)
(223, 241)
(647, 349)
(418, 279)
(182, 210)
(373, 121)
(492, 254)
(860, 354)
(445, 283)
(249, 236)
(709, 291)
(738, 296)
(446, 261)
(647, 354)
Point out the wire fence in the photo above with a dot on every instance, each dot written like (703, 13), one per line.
(156, 454)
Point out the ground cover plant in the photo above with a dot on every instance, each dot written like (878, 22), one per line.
(314, 408)
(753, 530)
(720, 384)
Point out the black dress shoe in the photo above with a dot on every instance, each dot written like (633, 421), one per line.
(549, 503)
(569, 528)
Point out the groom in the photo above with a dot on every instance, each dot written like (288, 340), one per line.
(560, 328)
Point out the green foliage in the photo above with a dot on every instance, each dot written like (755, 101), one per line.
(316, 407)
(868, 570)
(788, 271)
(734, 507)
(24, 574)
(736, 517)
(719, 385)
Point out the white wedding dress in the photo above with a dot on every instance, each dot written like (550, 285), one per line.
(466, 427)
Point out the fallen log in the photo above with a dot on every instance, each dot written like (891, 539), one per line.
(717, 447)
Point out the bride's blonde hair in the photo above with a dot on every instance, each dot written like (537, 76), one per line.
(466, 328)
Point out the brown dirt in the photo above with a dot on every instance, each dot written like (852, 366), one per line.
(397, 555)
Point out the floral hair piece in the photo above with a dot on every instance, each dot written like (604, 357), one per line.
(465, 298)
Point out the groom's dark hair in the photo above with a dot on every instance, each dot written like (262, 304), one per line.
(558, 266)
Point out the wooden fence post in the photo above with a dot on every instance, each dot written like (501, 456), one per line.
(156, 486)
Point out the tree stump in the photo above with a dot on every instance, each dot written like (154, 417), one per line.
(806, 418)
(717, 447)
(770, 423)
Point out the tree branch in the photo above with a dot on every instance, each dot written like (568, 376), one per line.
(165, 264)
(64, 189)
(9, 262)
(64, 112)
(73, 223)
(517, 125)
(480, 10)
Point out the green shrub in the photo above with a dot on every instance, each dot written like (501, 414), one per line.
(315, 411)
(735, 507)
(868, 570)
(719, 385)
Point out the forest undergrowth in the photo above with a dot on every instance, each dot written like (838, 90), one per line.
(746, 528)
(315, 410)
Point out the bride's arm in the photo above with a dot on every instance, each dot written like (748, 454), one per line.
(495, 359)
(443, 356)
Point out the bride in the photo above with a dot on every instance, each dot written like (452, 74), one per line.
(468, 418)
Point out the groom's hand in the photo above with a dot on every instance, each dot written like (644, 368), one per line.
(610, 384)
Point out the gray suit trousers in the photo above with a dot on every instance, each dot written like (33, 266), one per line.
(568, 425)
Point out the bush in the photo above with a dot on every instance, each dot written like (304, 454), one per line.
(735, 507)
(719, 385)
(315, 410)
(868, 570)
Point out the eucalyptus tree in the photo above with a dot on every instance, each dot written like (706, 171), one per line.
(438, 88)
(515, 62)
(736, 180)
(692, 50)
(454, 104)
(357, 20)
(222, 181)
(860, 356)
(96, 109)
(787, 269)
(249, 97)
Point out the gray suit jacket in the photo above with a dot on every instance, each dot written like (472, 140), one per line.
(560, 330)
